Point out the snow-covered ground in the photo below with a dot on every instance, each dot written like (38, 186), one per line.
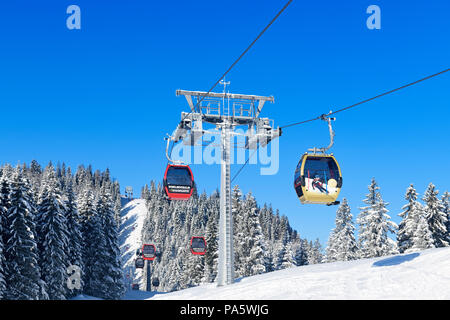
(132, 219)
(421, 275)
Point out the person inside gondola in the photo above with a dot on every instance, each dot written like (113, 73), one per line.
(316, 183)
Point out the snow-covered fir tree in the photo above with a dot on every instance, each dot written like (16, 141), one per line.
(212, 241)
(301, 253)
(74, 236)
(257, 262)
(4, 206)
(375, 226)
(436, 217)
(239, 232)
(315, 254)
(286, 256)
(52, 235)
(93, 244)
(21, 256)
(422, 238)
(446, 210)
(109, 255)
(342, 245)
(252, 241)
(410, 219)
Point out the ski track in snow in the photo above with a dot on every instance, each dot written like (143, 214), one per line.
(132, 218)
(420, 275)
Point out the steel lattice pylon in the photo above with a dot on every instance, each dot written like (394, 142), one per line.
(226, 111)
(225, 273)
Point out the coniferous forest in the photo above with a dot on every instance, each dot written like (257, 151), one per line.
(423, 225)
(59, 233)
(263, 239)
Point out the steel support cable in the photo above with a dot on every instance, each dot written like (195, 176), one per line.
(367, 100)
(242, 167)
(199, 100)
(245, 51)
(346, 108)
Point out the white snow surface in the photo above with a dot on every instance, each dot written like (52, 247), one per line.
(421, 275)
(132, 218)
(411, 276)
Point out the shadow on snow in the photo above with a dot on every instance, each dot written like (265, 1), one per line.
(392, 261)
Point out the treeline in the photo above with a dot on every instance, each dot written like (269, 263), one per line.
(58, 233)
(424, 225)
(263, 239)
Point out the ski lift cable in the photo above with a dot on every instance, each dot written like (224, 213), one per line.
(200, 99)
(240, 57)
(346, 108)
(367, 100)
(242, 167)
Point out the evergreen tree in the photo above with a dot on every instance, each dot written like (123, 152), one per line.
(93, 244)
(422, 238)
(194, 269)
(256, 262)
(52, 236)
(212, 251)
(4, 207)
(109, 255)
(375, 225)
(436, 217)
(287, 258)
(342, 245)
(410, 219)
(301, 253)
(75, 238)
(239, 232)
(446, 210)
(21, 256)
(315, 253)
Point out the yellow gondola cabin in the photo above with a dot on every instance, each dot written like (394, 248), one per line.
(318, 179)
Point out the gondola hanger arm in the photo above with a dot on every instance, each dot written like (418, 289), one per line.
(325, 117)
(168, 139)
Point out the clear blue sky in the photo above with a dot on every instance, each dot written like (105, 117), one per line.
(105, 95)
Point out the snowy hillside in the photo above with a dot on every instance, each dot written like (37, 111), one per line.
(421, 275)
(132, 218)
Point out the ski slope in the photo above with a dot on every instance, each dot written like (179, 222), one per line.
(420, 275)
(132, 218)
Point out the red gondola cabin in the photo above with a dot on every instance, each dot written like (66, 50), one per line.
(178, 182)
(148, 252)
(198, 245)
